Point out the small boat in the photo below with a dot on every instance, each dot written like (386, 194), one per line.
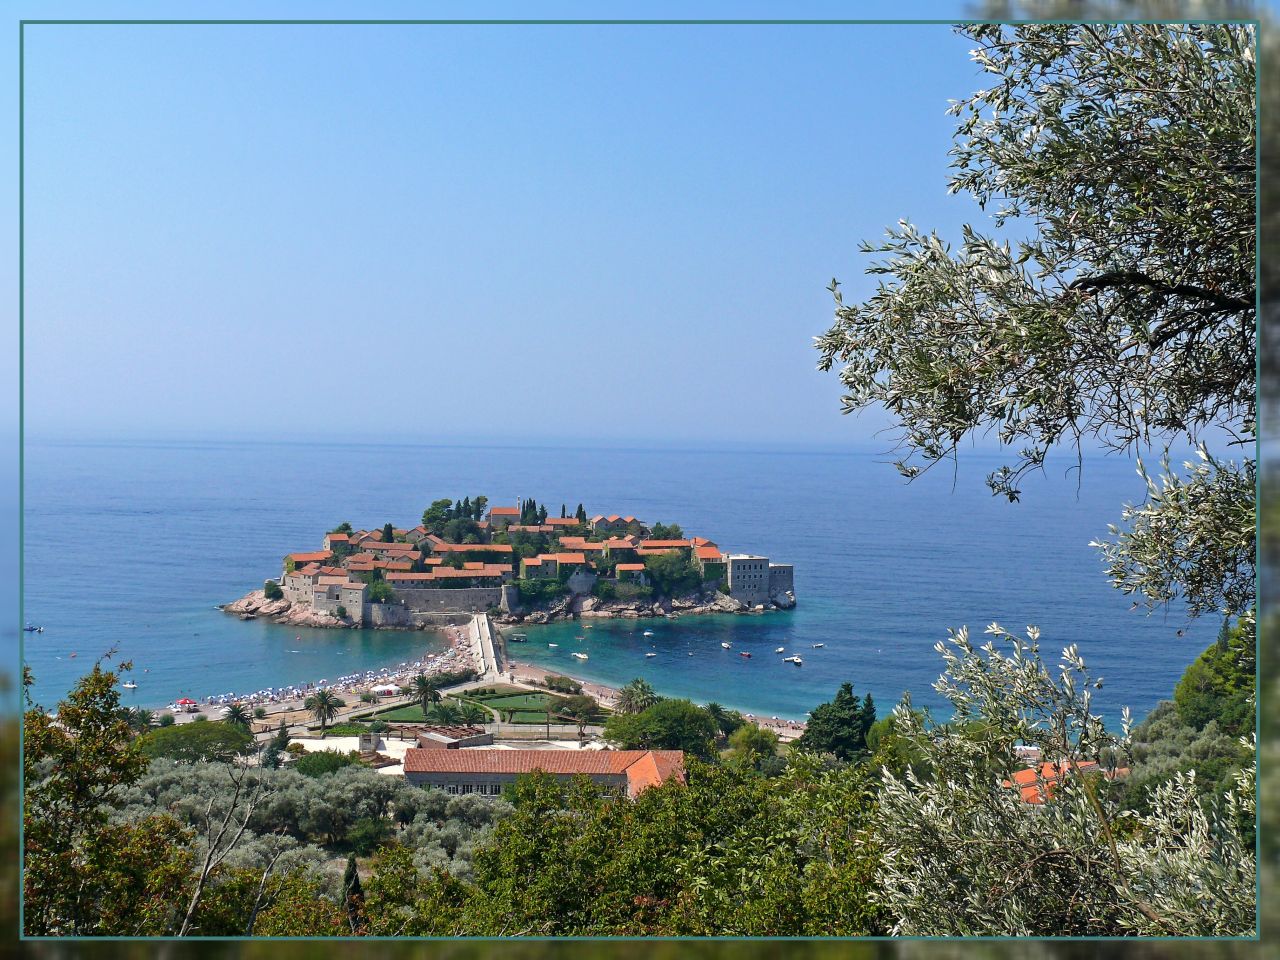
(743, 653)
(33, 629)
(726, 644)
(553, 644)
(248, 616)
(581, 656)
(817, 645)
(519, 637)
(797, 661)
(647, 633)
(579, 638)
(70, 655)
(130, 685)
(780, 650)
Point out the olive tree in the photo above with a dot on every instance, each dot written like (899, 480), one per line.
(1113, 301)
(966, 852)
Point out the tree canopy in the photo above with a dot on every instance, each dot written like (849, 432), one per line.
(1114, 303)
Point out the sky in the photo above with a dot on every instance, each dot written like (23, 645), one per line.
(493, 233)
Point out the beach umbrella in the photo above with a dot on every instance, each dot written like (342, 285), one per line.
(185, 700)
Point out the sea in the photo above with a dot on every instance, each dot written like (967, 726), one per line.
(130, 546)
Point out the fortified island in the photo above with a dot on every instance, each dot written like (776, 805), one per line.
(517, 564)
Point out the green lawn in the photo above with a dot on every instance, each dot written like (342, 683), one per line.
(520, 716)
(524, 701)
(409, 714)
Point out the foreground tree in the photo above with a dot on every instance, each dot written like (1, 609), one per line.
(1122, 310)
(426, 690)
(84, 874)
(964, 853)
(636, 696)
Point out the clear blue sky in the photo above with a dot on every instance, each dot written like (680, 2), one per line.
(453, 232)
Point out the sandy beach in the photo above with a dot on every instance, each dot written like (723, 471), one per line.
(286, 703)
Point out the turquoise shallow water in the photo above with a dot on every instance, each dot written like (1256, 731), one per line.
(132, 545)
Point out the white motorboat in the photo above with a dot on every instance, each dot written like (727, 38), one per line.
(817, 645)
(129, 685)
(581, 656)
(780, 650)
(726, 644)
(647, 633)
(650, 654)
(553, 644)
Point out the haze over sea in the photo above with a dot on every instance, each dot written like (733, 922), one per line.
(131, 545)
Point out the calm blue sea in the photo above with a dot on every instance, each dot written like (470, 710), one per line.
(131, 546)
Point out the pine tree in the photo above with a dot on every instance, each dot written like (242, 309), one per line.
(388, 533)
(542, 514)
(867, 717)
(581, 514)
(466, 507)
(562, 511)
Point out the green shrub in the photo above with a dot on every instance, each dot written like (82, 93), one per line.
(341, 611)
(271, 590)
(320, 762)
(562, 684)
(166, 720)
(379, 726)
(367, 834)
(195, 742)
(349, 729)
(259, 713)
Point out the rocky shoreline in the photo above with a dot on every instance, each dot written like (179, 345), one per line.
(254, 605)
(592, 608)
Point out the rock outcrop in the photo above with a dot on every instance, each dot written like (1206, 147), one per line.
(591, 608)
(255, 603)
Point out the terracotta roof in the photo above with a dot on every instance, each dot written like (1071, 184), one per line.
(708, 553)
(397, 565)
(478, 547)
(450, 573)
(642, 768)
(562, 521)
(1050, 774)
(570, 557)
(620, 543)
(316, 555)
(630, 566)
(504, 511)
(332, 581)
(665, 544)
(597, 518)
(337, 536)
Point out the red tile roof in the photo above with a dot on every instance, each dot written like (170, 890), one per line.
(316, 555)
(468, 547)
(708, 553)
(630, 566)
(1050, 774)
(665, 544)
(562, 521)
(504, 511)
(642, 768)
(337, 537)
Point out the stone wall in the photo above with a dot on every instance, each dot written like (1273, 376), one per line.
(388, 615)
(475, 599)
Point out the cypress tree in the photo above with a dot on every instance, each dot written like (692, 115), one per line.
(353, 893)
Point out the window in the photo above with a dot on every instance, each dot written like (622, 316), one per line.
(451, 788)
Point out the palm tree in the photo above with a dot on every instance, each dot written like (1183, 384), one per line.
(636, 697)
(444, 713)
(139, 719)
(427, 690)
(324, 706)
(472, 714)
(236, 715)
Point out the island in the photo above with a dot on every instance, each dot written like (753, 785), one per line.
(517, 564)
